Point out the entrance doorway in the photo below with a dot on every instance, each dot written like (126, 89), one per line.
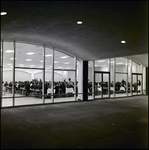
(102, 82)
(137, 83)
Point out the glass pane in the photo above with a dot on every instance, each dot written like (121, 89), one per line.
(101, 65)
(98, 85)
(7, 102)
(64, 86)
(63, 61)
(28, 86)
(134, 85)
(79, 79)
(112, 74)
(28, 55)
(1, 55)
(144, 80)
(90, 80)
(139, 84)
(136, 68)
(105, 85)
(121, 64)
(8, 55)
(120, 85)
(48, 75)
(129, 78)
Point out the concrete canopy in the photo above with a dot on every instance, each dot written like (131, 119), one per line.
(54, 23)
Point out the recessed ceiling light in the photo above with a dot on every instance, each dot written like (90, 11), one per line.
(30, 53)
(96, 65)
(123, 41)
(79, 22)
(48, 55)
(67, 63)
(41, 61)
(32, 65)
(12, 58)
(28, 59)
(64, 57)
(9, 64)
(9, 51)
(3, 13)
(55, 61)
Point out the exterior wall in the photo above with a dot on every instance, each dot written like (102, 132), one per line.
(46, 68)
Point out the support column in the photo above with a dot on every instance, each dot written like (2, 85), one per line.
(85, 80)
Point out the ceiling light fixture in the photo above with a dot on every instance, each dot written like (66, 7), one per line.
(123, 41)
(55, 61)
(67, 63)
(28, 59)
(9, 51)
(48, 55)
(12, 58)
(64, 57)
(30, 53)
(79, 22)
(3, 13)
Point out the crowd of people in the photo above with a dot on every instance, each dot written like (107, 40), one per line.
(34, 85)
(60, 87)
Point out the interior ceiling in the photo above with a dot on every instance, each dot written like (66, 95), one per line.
(105, 24)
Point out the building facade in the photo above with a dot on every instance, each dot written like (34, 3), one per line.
(34, 74)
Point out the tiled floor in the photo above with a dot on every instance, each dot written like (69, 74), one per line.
(120, 123)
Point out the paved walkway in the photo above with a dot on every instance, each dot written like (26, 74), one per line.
(120, 123)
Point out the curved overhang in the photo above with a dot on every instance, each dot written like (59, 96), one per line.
(104, 25)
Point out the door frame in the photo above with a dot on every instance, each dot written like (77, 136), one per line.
(102, 72)
(137, 82)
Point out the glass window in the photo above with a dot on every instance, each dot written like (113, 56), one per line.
(120, 85)
(129, 78)
(144, 80)
(90, 80)
(136, 67)
(64, 86)
(28, 86)
(8, 55)
(63, 61)
(79, 90)
(112, 74)
(1, 55)
(28, 55)
(102, 65)
(7, 102)
(121, 65)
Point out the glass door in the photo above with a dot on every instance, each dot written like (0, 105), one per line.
(102, 82)
(105, 84)
(98, 85)
(136, 84)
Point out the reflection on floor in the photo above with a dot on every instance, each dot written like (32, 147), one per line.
(27, 100)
